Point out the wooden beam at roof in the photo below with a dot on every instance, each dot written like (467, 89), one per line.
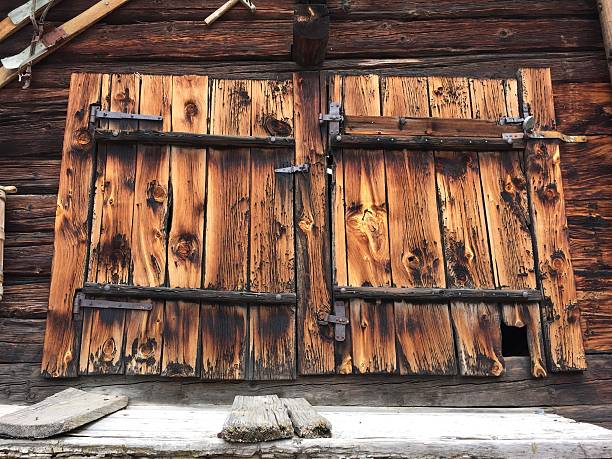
(310, 34)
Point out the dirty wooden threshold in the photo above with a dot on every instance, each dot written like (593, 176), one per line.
(191, 431)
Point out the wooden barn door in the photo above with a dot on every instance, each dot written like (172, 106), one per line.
(213, 218)
(441, 219)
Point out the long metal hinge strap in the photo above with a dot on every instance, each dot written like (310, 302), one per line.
(553, 135)
(80, 301)
(339, 319)
(97, 114)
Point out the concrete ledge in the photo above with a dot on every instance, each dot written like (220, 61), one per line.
(191, 431)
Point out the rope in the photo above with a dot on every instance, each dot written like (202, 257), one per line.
(39, 30)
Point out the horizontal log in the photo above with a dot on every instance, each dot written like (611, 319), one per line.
(433, 295)
(587, 171)
(425, 10)
(395, 38)
(191, 140)
(433, 127)
(590, 229)
(189, 294)
(31, 176)
(25, 300)
(584, 108)
(30, 213)
(425, 142)
(179, 10)
(595, 301)
(23, 383)
(262, 39)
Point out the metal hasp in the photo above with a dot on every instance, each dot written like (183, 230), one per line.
(97, 113)
(339, 319)
(293, 169)
(81, 302)
(530, 133)
(333, 118)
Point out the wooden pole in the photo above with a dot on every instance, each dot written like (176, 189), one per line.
(4, 190)
(605, 15)
(310, 34)
(225, 8)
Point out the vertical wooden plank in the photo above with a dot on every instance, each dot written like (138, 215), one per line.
(143, 329)
(424, 332)
(560, 312)
(224, 328)
(60, 355)
(343, 349)
(96, 225)
(477, 325)
(504, 188)
(367, 237)
(186, 238)
(272, 249)
(115, 255)
(315, 348)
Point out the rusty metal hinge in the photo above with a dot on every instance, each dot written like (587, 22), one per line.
(81, 302)
(339, 319)
(293, 169)
(96, 113)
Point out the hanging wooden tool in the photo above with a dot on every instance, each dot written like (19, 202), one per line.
(226, 7)
(56, 38)
(21, 16)
(4, 190)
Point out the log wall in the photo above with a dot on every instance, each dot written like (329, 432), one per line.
(483, 38)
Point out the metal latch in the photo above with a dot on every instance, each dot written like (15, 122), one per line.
(97, 113)
(293, 169)
(81, 302)
(339, 320)
(530, 133)
(334, 118)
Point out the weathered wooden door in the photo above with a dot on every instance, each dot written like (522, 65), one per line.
(218, 218)
(470, 213)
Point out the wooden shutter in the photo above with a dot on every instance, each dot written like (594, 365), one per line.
(150, 215)
(490, 216)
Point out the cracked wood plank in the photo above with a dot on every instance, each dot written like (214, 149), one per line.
(62, 334)
(468, 263)
(424, 332)
(367, 237)
(504, 188)
(272, 249)
(143, 329)
(224, 328)
(315, 349)
(560, 312)
(186, 238)
(307, 422)
(114, 262)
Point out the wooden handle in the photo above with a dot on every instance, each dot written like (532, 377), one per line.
(220, 11)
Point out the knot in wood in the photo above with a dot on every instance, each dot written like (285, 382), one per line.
(186, 248)
(108, 350)
(276, 127)
(83, 137)
(191, 111)
(156, 193)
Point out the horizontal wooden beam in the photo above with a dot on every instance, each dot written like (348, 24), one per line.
(434, 295)
(189, 294)
(426, 143)
(191, 140)
(434, 127)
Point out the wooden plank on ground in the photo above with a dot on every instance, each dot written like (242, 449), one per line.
(60, 356)
(343, 350)
(424, 332)
(143, 329)
(272, 235)
(186, 237)
(468, 263)
(115, 254)
(367, 237)
(62, 412)
(257, 419)
(560, 312)
(307, 423)
(224, 328)
(315, 349)
(504, 188)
